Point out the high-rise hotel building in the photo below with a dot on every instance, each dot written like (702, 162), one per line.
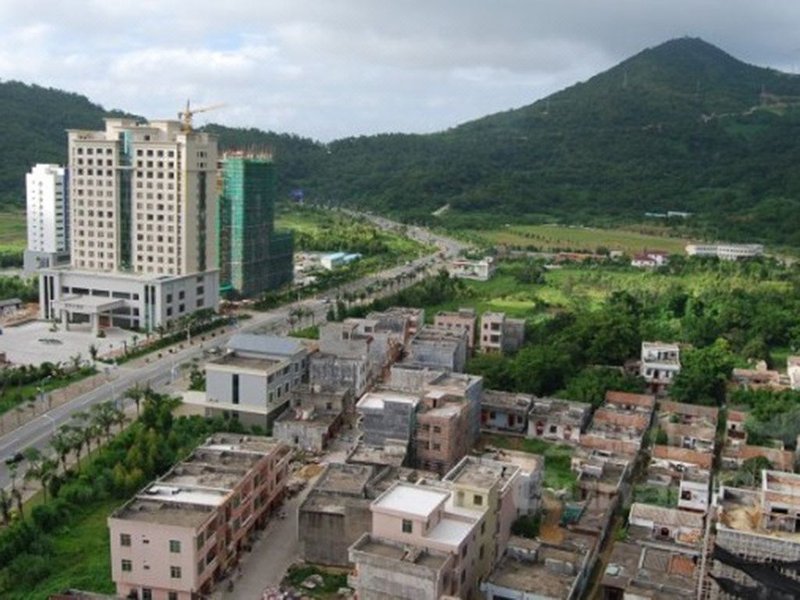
(47, 217)
(143, 216)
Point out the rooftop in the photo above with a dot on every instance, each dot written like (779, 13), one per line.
(657, 573)
(411, 499)
(390, 455)
(377, 400)
(506, 400)
(481, 473)
(232, 359)
(156, 510)
(450, 532)
(431, 559)
(438, 335)
(265, 344)
(344, 478)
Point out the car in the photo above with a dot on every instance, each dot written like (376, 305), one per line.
(16, 458)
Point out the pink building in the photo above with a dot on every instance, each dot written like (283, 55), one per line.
(178, 536)
(464, 318)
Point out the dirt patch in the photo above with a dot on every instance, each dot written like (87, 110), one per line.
(550, 529)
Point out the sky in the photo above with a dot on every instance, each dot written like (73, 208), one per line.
(328, 69)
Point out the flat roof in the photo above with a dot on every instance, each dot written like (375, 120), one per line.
(407, 553)
(481, 473)
(512, 400)
(411, 499)
(157, 511)
(344, 478)
(450, 531)
(265, 344)
(376, 400)
(232, 359)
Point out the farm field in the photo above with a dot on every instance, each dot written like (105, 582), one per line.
(581, 239)
(12, 230)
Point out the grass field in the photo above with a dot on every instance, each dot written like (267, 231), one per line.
(561, 237)
(81, 558)
(558, 473)
(12, 230)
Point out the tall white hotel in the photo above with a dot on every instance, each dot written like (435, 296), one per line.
(143, 219)
(47, 217)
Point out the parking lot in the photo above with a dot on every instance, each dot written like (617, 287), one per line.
(34, 343)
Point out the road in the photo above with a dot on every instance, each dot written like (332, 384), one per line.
(37, 432)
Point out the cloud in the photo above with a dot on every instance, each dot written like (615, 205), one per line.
(331, 69)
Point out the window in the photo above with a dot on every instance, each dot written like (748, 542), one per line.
(127, 567)
(477, 499)
(175, 572)
(407, 526)
(124, 539)
(147, 594)
(174, 546)
(172, 596)
(201, 539)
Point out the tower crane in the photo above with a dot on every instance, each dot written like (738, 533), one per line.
(185, 116)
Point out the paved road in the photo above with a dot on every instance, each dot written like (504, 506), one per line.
(37, 432)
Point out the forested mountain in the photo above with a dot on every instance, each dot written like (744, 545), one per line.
(682, 126)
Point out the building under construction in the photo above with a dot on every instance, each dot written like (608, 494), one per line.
(254, 256)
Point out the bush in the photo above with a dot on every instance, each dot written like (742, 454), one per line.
(527, 526)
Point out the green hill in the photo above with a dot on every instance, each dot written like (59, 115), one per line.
(681, 126)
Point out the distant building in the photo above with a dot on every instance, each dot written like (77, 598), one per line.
(312, 418)
(338, 259)
(558, 420)
(650, 260)
(505, 411)
(177, 537)
(660, 363)
(480, 270)
(499, 333)
(438, 348)
(793, 371)
(254, 256)
(47, 217)
(725, 251)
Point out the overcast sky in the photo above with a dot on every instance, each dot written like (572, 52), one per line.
(333, 68)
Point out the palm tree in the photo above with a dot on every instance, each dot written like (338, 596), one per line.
(77, 442)
(62, 445)
(13, 469)
(136, 394)
(76, 360)
(104, 416)
(40, 468)
(93, 352)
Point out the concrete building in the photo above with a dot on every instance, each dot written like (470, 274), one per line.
(313, 417)
(499, 333)
(387, 415)
(424, 520)
(142, 203)
(438, 349)
(252, 381)
(120, 299)
(254, 256)
(181, 533)
(505, 411)
(337, 259)
(650, 260)
(47, 217)
(660, 363)
(539, 570)
(757, 544)
(463, 318)
(400, 319)
(479, 270)
(725, 251)
(558, 420)
(618, 427)
(529, 481)
(793, 371)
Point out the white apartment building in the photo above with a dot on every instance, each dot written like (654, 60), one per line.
(47, 217)
(143, 209)
(726, 251)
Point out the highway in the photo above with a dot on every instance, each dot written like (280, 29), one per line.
(38, 431)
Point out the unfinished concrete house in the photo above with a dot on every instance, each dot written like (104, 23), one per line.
(313, 417)
(499, 333)
(505, 411)
(400, 319)
(558, 420)
(660, 363)
(438, 349)
(387, 415)
(757, 544)
(463, 318)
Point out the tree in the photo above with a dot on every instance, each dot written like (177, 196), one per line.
(40, 468)
(704, 374)
(6, 502)
(591, 384)
(93, 351)
(136, 394)
(542, 370)
(104, 417)
(62, 445)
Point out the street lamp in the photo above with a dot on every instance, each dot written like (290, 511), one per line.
(41, 391)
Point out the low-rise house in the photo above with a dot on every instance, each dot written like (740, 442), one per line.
(464, 318)
(758, 378)
(499, 333)
(400, 319)
(312, 418)
(558, 420)
(505, 411)
(618, 427)
(253, 379)
(602, 480)
(353, 372)
(650, 259)
(735, 455)
(543, 570)
(387, 415)
(680, 459)
(438, 348)
(793, 371)
(480, 270)
(531, 471)
(660, 363)
(671, 524)
(177, 537)
(440, 440)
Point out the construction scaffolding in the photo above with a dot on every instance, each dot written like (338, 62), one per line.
(254, 256)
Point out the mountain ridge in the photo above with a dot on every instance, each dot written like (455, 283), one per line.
(682, 125)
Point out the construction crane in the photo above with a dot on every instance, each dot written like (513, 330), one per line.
(186, 115)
